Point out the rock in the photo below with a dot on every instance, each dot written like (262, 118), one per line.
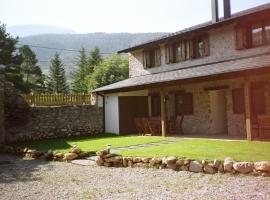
(228, 164)
(243, 167)
(157, 160)
(195, 166)
(209, 168)
(220, 168)
(146, 160)
(186, 161)
(75, 150)
(70, 156)
(25, 150)
(144, 165)
(48, 155)
(83, 155)
(170, 160)
(114, 159)
(263, 166)
(58, 155)
(130, 163)
(184, 168)
(137, 160)
(100, 161)
(216, 163)
(180, 162)
(256, 173)
(125, 162)
(265, 174)
(117, 164)
(108, 164)
(102, 152)
(172, 166)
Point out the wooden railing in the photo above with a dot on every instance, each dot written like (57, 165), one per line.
(58, 99)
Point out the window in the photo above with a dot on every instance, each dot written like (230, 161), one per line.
(238, 101)
(151, 57)
(155, 105)
(187, 49)
(183, 103)
(257, 100)
(252, 35)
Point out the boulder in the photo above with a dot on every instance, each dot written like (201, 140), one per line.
(180, 162)
(146, 160)
(140, 164)
(70, 156)
(125, 162)
(186, 161)
(243, 167)
(75, 150)
(170, 160)
(220, 168)
(83, 155)
(114, 159)
(195, 166)
(171, 166)
(209, 168)
(102, 152)
(228, 164)
(263, 166)
(108, 164)
(100, 161)
(216, 163)
(137, 160)
(130, 163)
(184, 168)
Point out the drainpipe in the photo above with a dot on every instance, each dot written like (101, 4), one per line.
(103, 103)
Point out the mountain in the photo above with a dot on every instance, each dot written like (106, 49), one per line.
(35, 29)
(107, 42)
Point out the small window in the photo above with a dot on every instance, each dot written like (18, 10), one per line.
(184, 103)
(151, 57)
(257, 35)
(155, 105)
(238, 101)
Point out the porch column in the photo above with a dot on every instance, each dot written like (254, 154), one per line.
(163, 114)
(248, 108)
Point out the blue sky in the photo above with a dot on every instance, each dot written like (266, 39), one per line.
(114, 15)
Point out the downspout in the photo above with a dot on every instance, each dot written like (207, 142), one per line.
(103, 103)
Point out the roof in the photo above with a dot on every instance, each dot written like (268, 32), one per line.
(206, 25)
(195, 71)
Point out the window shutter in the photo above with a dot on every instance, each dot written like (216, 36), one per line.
(167, 54)
(206, 45)
(191, 49)
(238, 101)
(258, 100)
(241, 41)
(183, 51)
(171, 57)
(144, 59)
(157, 57)
(188, 103)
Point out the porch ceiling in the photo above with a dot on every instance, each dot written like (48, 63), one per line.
(194, 72)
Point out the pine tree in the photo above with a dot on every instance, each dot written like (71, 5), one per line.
(10, 58)
(94, 59)
(31, 72)
(80, 82)
(56, 81)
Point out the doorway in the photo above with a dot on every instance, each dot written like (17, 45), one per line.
(218, 114)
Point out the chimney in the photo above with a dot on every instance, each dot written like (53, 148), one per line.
(215, 11)
(227, 8)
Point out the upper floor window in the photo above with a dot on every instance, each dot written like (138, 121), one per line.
(187, 49)
(151, 57)
(252, 35)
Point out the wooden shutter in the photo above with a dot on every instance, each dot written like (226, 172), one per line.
(144, 59)
(167, 54)
(241, 41)
(191, 49)
(258, 100)
(238, 101)
(206, 45)
(188, 103)
(171, 54)
(183, 51)
(157, 56)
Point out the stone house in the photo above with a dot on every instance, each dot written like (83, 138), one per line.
(215, 74)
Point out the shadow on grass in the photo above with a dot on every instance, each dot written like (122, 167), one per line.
(16, 169)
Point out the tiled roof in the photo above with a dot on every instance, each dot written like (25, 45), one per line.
(200, 26)
(210, 69)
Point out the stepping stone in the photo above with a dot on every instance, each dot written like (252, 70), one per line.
(83, 162)
(92, 158)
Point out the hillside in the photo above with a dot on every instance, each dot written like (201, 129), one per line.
(107, 42)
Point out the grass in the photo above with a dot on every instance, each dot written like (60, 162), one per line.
(90, 143)
(208, 149)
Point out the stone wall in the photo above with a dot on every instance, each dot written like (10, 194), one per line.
(23, 122)
(222, 47)
(2, 128)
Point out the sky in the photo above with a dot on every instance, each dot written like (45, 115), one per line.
(85, 16)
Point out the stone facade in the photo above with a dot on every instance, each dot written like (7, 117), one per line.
(2, 128)
(222, 47)
(23, 122)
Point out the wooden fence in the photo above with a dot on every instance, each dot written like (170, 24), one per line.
(58, 99)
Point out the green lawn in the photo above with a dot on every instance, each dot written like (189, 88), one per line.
(208, 149)
(90, 143)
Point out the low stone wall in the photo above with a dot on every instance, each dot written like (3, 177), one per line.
(23, 122)
(261, 168)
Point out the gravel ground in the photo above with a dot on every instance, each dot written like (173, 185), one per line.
(35, 179)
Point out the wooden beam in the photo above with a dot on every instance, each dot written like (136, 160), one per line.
(163, 114)
(248, 108)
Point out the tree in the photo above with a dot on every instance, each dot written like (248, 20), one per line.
(80, 82)
(56, 81)
(32, 74)
(94, 59)
(111, 70)
(11, 59)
